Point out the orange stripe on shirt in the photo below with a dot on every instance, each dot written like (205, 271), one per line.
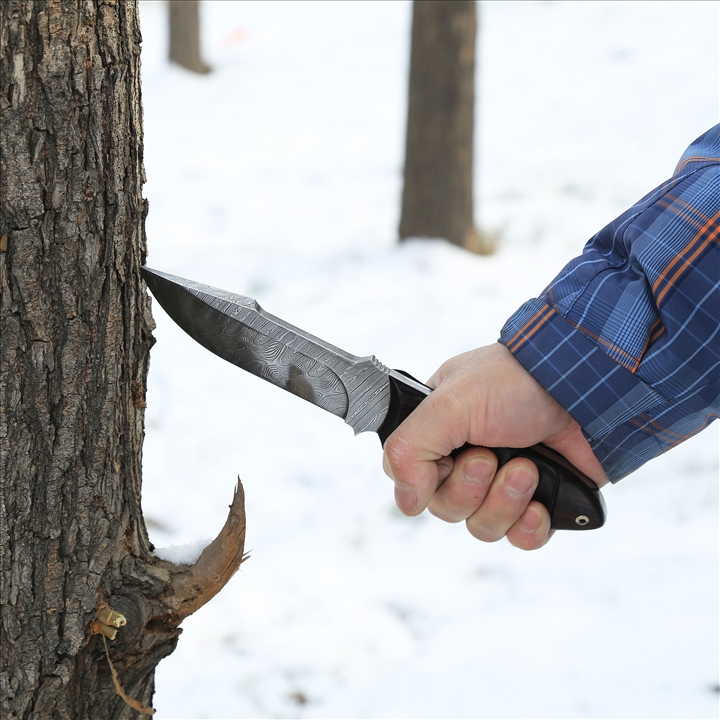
(524, 333)
(627, 360)
(643, 422)
(695, 158)
(695, 211)
(681, 263)
(693, 216)
(656, 330)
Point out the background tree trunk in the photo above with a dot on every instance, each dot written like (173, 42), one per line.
(75, 331)
(185, 35)
(437, 196)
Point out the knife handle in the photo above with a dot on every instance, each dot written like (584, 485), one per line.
(573, 500)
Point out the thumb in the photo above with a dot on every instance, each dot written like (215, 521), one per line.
(416, 455)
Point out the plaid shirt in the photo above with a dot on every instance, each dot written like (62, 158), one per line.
(627, 336)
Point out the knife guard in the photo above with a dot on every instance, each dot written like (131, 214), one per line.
(573, 500)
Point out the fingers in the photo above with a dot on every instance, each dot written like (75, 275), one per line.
(532, 530)
(506, 501)
(466, 487)
(416, 455)
(485, 398)
(493, 504)
(415, 480)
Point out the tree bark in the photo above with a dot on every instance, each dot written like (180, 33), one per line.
(185, 35)
(437, 198)
(75, 333)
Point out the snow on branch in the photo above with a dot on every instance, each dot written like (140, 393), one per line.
(195, 585)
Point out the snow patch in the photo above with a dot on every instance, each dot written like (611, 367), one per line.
(279, 175)
(186, 554)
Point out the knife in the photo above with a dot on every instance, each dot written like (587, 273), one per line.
(361, 390)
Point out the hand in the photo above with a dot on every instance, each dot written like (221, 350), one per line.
(486, 398)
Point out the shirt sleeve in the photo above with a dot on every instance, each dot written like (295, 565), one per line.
(627, 336)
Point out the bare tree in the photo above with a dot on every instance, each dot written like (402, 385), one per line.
(185, 35)
(87, 609)
(437, 198)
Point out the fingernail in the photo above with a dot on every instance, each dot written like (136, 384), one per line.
(406, 498)
(531, 520)
(519, 481)
(478, 472)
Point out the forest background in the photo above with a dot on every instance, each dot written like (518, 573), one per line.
(278, 175)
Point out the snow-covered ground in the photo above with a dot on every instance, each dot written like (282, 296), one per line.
(279, 176)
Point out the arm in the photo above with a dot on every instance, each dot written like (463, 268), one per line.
(616, 362)
(627, 337)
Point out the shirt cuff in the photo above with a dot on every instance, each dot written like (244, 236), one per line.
(599, 394)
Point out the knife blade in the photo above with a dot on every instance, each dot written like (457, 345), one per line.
(360, 390)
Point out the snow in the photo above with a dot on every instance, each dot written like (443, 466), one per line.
(186, 554)
(278, 176)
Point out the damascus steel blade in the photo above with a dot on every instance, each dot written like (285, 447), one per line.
(237, 329)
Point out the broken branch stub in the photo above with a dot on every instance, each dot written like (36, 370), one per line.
(194, 586)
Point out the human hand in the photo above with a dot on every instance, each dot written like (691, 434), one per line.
(486, 398)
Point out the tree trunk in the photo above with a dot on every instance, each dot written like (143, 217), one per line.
(185, 35)
(75, 331)
(437, 196)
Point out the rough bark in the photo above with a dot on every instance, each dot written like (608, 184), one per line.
(75, 333)
(185, 35)
(437, 198)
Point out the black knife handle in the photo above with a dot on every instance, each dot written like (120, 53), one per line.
(571, 497)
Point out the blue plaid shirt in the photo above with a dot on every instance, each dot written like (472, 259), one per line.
(627, 336)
